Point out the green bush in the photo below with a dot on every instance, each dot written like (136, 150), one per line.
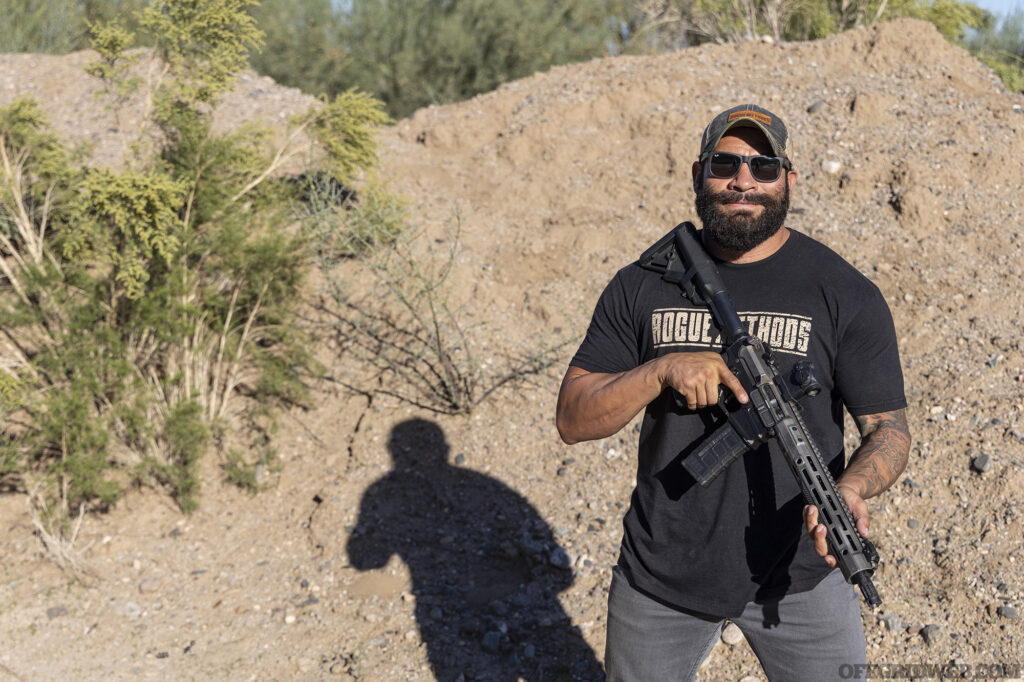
(145, 308)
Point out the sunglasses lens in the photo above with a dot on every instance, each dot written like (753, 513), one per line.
(724, 165)
(765, 168)
(762, 168)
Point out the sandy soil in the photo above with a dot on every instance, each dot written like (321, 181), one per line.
(397, 544)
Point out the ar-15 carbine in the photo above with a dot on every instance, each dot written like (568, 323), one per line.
(772, 411)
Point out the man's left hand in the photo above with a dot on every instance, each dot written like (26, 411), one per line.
(858, 507)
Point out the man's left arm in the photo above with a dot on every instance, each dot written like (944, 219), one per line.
(875, 465)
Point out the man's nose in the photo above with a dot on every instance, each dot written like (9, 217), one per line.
(743, 180)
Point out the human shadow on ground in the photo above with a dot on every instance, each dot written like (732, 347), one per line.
(486, 569)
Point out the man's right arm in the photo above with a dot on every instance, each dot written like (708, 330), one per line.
(594, 405)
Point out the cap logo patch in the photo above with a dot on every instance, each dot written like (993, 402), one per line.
(755, 115)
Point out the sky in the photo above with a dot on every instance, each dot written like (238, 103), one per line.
(999, 7)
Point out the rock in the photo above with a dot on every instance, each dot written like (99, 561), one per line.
(731, 634)
(1006, 611)
(131, 609)
(491, 642)
(529, 651)
(816, 107)
(460, 459)
(831, 166)
(931, 634)
(913, 523)
(56, 612)
(981, 464)
(890, 622)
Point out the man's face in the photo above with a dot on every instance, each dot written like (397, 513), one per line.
(740, 213)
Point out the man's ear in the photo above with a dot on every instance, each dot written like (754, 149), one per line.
(697, 172)
(791, 179)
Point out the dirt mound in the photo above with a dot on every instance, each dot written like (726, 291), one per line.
(909, 155)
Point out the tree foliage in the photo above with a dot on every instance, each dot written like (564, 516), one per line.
(670, 24)
(1000, 44)
(55, 27)
(418, 52)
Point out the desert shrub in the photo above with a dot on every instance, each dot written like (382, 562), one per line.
(399, 319)
(147, 307)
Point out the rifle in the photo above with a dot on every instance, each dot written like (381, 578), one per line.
(772, 412)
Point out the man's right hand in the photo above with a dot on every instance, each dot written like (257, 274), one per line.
(593, 405)
(696, 377)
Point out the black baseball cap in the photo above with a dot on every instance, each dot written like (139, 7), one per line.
(749, 115)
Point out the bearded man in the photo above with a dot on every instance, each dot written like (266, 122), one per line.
(746, 548)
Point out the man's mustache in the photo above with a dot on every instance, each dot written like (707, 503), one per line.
(728, 197)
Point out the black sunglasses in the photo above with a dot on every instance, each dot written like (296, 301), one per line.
(725, 166)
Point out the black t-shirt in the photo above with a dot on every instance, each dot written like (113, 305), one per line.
(715, 549)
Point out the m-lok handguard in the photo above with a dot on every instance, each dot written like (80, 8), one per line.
(772, 412)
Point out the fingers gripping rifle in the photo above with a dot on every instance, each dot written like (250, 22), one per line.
(772, 412)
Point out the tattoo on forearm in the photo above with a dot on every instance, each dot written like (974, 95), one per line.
(883, 452)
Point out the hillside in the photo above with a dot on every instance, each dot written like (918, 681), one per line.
(909, 155)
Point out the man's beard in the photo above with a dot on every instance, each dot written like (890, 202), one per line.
(742, 232)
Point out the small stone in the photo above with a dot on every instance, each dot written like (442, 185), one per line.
(731, 634)
(460, 459)
(56, 612)
(913, 523)
(131, 609)
(816, 107)
(491, 641)
(931, 634)
(910, 484)
(1006, 611)
(831, 166)
(913, 629)
(410, 635)
(289, 619)
(750, 678)
(149, 584)
(890, 622)
(981, 464)
(529, 651)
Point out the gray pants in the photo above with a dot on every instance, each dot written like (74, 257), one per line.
(803, 636)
